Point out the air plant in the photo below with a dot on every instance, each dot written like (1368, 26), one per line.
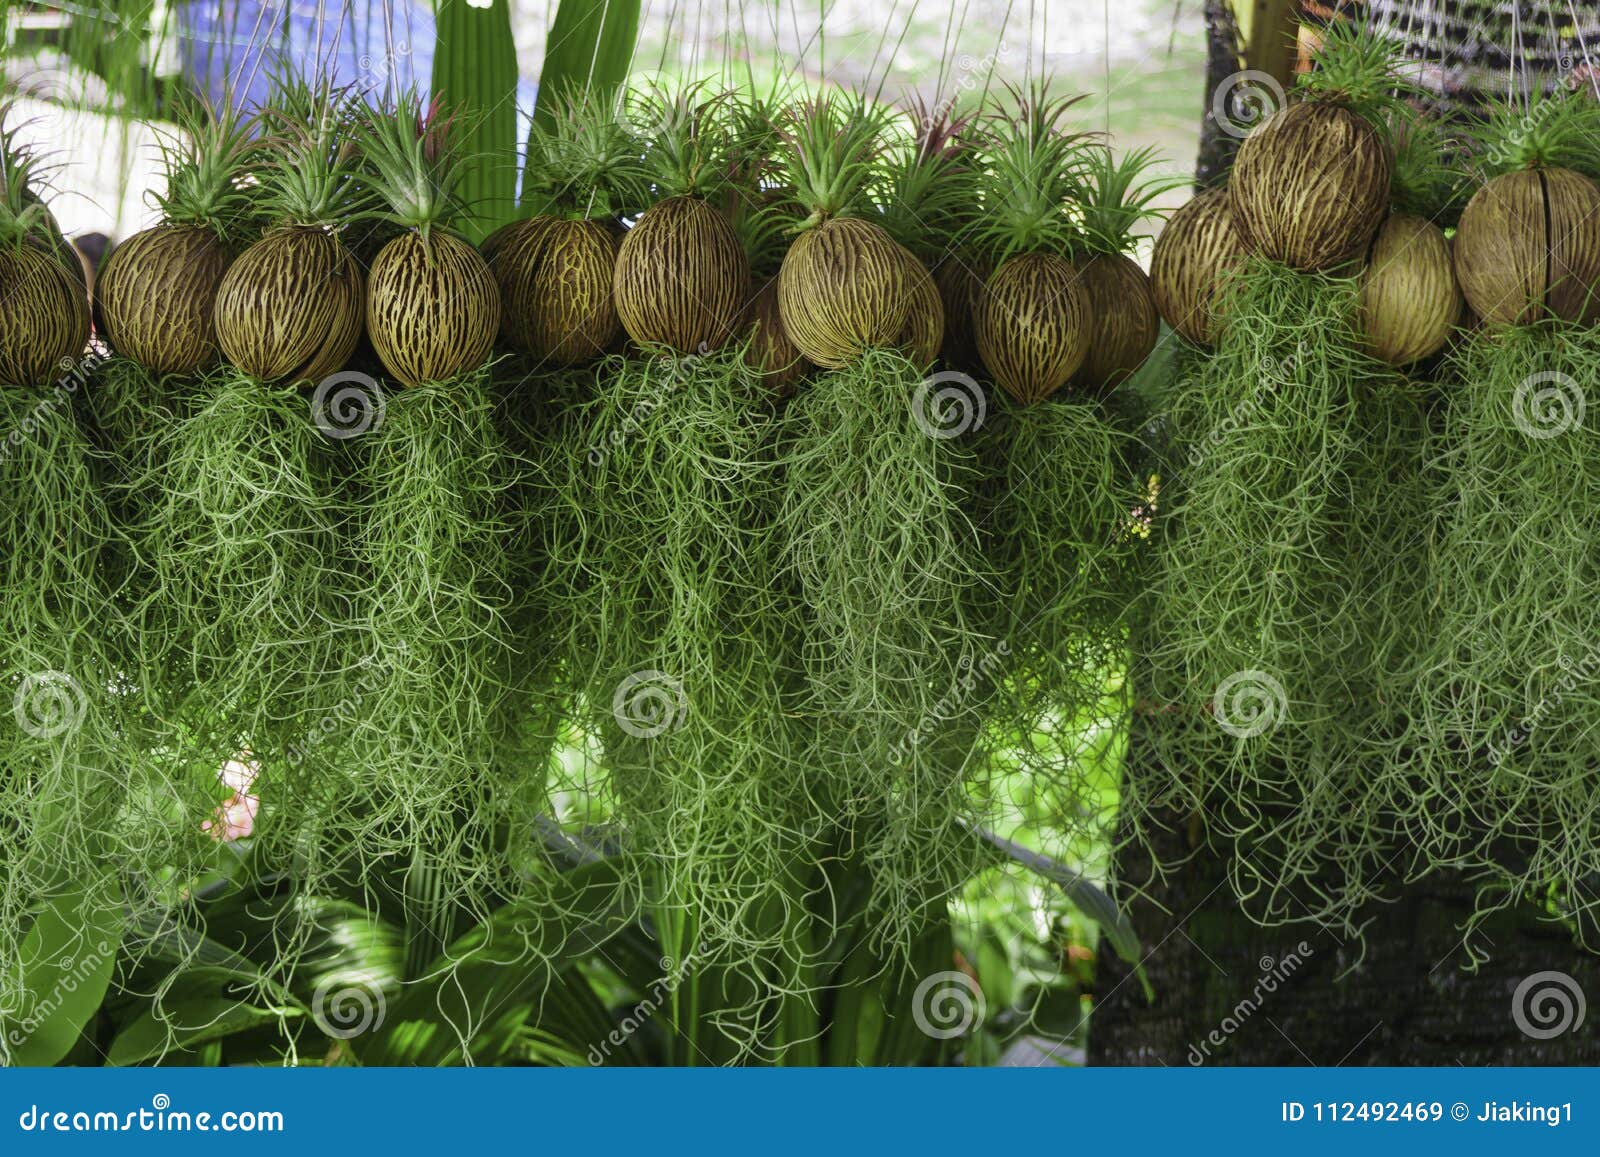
(1189, 269)
(158, 290)
(1528, 244)
(1116, 198)
(843, 288)
(46, 318)
(682, 276)
(555, 266)
(1032, 320)
(411, 167)
(1310, 185)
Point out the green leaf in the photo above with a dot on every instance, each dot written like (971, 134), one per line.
(590, 49)
(187, 1023)
(475, 73)
(66, 963)
(1089, 899)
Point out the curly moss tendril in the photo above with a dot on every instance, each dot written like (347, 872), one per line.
(1276, 662)
(876, 534)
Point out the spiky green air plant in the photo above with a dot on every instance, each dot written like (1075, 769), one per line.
(1310, 186)
(433, 307)
(764, 214)
(843, 287)
(1189, 268)
(45, 324)
(158, 290)
(682, 276)
(555, 267)
(1032, 321)
(1528, 243)
(874, 529)
(1117, 198)
(1509, 671)
(1277, 655)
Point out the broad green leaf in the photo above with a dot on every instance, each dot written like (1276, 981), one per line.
(66, 963)
(475, 73)
(187, 1023)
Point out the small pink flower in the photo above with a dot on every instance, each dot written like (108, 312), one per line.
(235, 817)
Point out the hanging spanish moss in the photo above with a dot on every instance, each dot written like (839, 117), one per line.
(876, 532)
(1283, 626)
(1512, 684)
(680, 639)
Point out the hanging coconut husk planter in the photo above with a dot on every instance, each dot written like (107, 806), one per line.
(682, 276)
(1194, 256)
(555, 267)
(1410, 303)
(1528, 243)
(843, 288)
(1310, 185)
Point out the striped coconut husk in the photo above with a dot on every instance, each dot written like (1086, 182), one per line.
(1189, 267)
(156, 295)
(922, 336)
(555, 280)
(289, 309)
(1528, 247)
(1124, 323)
(843, 290)
(1032, 324)
(1311, 186)
(432, 307)
(681, 277)
(45, 323)
(1410, 302)
(770, 352)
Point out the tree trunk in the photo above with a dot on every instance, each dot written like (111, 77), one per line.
(1229, 991)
